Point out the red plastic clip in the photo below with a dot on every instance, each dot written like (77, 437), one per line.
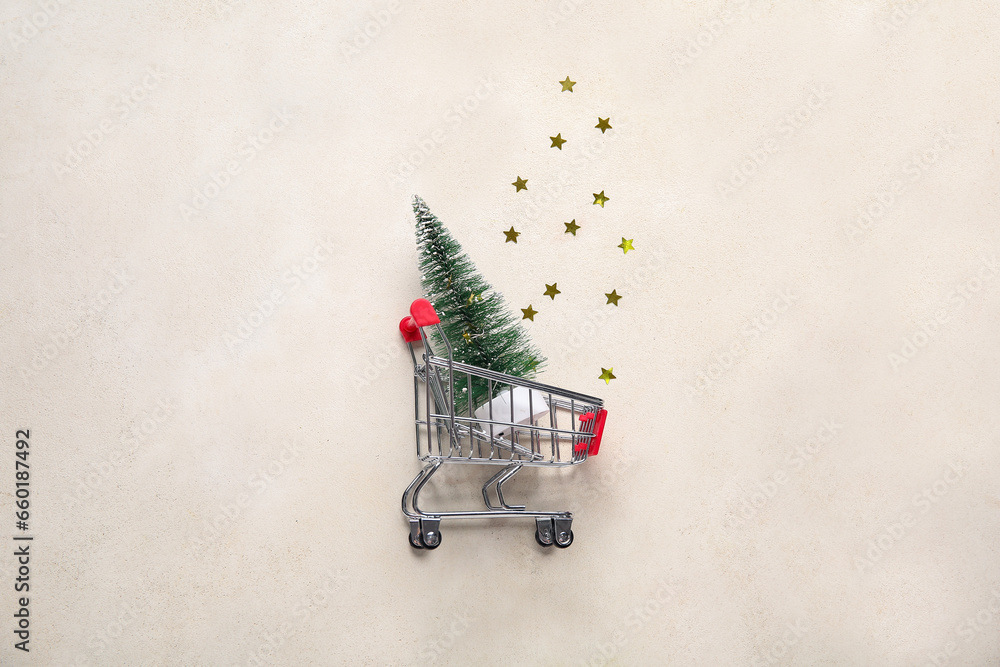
(598, 431)
(409, 329)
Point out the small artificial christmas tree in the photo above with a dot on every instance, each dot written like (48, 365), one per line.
(480, 327)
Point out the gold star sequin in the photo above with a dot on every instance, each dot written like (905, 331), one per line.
(567, 85)
(511, 235)
(571, 227)
(626, 245)
(467, 337)
(599, 199)
(603, 124)
(520, 184)
(529, 313)
(557, 141)
(607, 375)
(613, 296)
(551, 290)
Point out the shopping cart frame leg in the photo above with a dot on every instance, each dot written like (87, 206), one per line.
(414, 488)
(413, 491)
(425, 529)
(499, 480)
(552, 528)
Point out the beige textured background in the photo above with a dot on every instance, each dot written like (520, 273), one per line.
(707, 532)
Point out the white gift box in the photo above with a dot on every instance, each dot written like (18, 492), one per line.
(526, 410)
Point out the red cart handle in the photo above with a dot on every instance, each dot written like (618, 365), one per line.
(423, 313)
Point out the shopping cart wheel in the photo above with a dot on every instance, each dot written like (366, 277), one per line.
(430, 533)
(431, 540)
(544, 532)
(415, 534)
(563, 540)
(563, 536)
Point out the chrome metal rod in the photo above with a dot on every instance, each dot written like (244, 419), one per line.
(503, 480)
(521, 382)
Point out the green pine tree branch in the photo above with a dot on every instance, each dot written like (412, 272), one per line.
(476, 319)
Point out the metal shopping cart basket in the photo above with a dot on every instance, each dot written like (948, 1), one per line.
(521, 423)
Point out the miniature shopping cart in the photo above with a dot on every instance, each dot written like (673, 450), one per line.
(521, 423)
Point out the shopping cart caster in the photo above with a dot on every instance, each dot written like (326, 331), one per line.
(415, 534)
(553, 531)
(431, 539)
(563, 540)
(425, 533)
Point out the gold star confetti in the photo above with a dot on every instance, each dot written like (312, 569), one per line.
(520, 184)
(607, 375)
(551, 291)
(467, 337)
(567, 85)
(557, 141)
(474, 297)
(511, 235)
(626, 245)
(613, 296)
(603, 124)
(529, 313)
(571, 227)
(599, 199)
